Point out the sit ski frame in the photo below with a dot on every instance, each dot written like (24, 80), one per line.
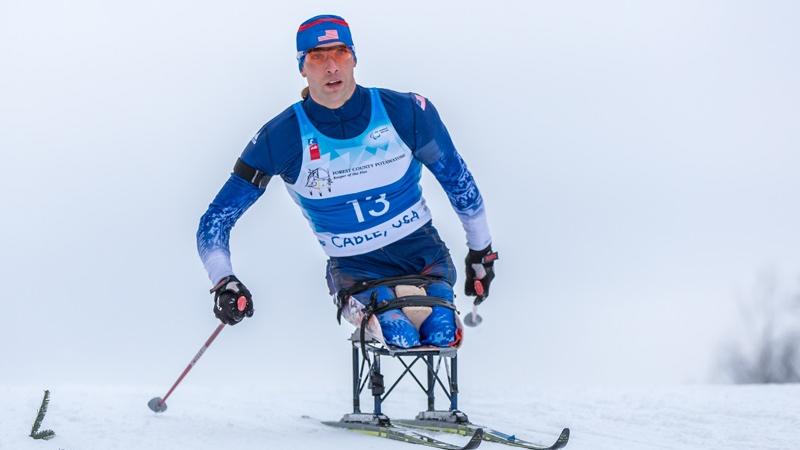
(366, 370)
(375, 378)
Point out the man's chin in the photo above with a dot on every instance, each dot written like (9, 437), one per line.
(336, 94)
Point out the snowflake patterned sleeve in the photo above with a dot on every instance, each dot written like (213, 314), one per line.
(435, 149)
(213, 234)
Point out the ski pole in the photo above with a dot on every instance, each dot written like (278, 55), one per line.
(157, 404)
(473, 319)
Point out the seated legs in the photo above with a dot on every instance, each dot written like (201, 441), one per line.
(439, 329)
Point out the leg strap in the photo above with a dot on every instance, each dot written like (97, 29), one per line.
(412, 280)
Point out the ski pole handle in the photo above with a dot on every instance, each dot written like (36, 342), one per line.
(479, 290)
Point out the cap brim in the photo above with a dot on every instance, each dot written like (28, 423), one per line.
(328, 44)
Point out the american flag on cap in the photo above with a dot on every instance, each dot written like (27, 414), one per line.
(329, 35)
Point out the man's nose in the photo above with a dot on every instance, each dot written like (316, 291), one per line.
(330, 66)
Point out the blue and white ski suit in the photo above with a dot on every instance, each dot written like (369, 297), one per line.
(354, 171)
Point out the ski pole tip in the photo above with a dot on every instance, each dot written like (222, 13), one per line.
(472, 319)
(157, 405)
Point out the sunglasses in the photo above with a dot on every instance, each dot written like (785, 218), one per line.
(319, 56)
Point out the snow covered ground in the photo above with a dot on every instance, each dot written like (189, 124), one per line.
(270, 417)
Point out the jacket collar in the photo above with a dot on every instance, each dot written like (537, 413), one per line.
(352, 108)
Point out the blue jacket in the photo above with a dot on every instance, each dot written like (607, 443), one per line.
(277, 150)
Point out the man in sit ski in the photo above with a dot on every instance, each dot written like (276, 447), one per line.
(351, 158)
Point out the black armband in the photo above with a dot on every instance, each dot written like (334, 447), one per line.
(251, 174)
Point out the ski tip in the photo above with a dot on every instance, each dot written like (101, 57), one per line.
(475, 440)
(562, 440)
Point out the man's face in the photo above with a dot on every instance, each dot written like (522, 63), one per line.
(329, 71)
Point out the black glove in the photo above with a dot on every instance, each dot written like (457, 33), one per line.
(480, 273)
(232, 301)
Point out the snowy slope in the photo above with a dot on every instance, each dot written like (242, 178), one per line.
(244, 417)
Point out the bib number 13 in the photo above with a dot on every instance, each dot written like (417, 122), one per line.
(380, 204)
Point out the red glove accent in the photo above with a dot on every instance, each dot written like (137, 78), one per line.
(479, 288)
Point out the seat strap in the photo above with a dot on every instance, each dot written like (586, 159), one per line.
(340, 299)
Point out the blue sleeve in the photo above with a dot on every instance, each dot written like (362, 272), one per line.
(434, 148)
(213, 234)
(276, 148)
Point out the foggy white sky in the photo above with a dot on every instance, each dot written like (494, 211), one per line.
(638, 160)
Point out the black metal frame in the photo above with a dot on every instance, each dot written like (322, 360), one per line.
(374, 377)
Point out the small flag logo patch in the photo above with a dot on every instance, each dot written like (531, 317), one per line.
(329, 35)
(420, 101)
(313, 149)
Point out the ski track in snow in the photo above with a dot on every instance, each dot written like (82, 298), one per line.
(244, 417)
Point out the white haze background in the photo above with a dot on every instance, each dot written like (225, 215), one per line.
(638, 161)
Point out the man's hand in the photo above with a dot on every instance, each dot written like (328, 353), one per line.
(480, 273)
(232, 300)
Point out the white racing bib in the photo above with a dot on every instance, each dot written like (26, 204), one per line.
(359, 194)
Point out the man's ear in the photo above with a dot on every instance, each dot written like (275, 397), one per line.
(303, 73)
